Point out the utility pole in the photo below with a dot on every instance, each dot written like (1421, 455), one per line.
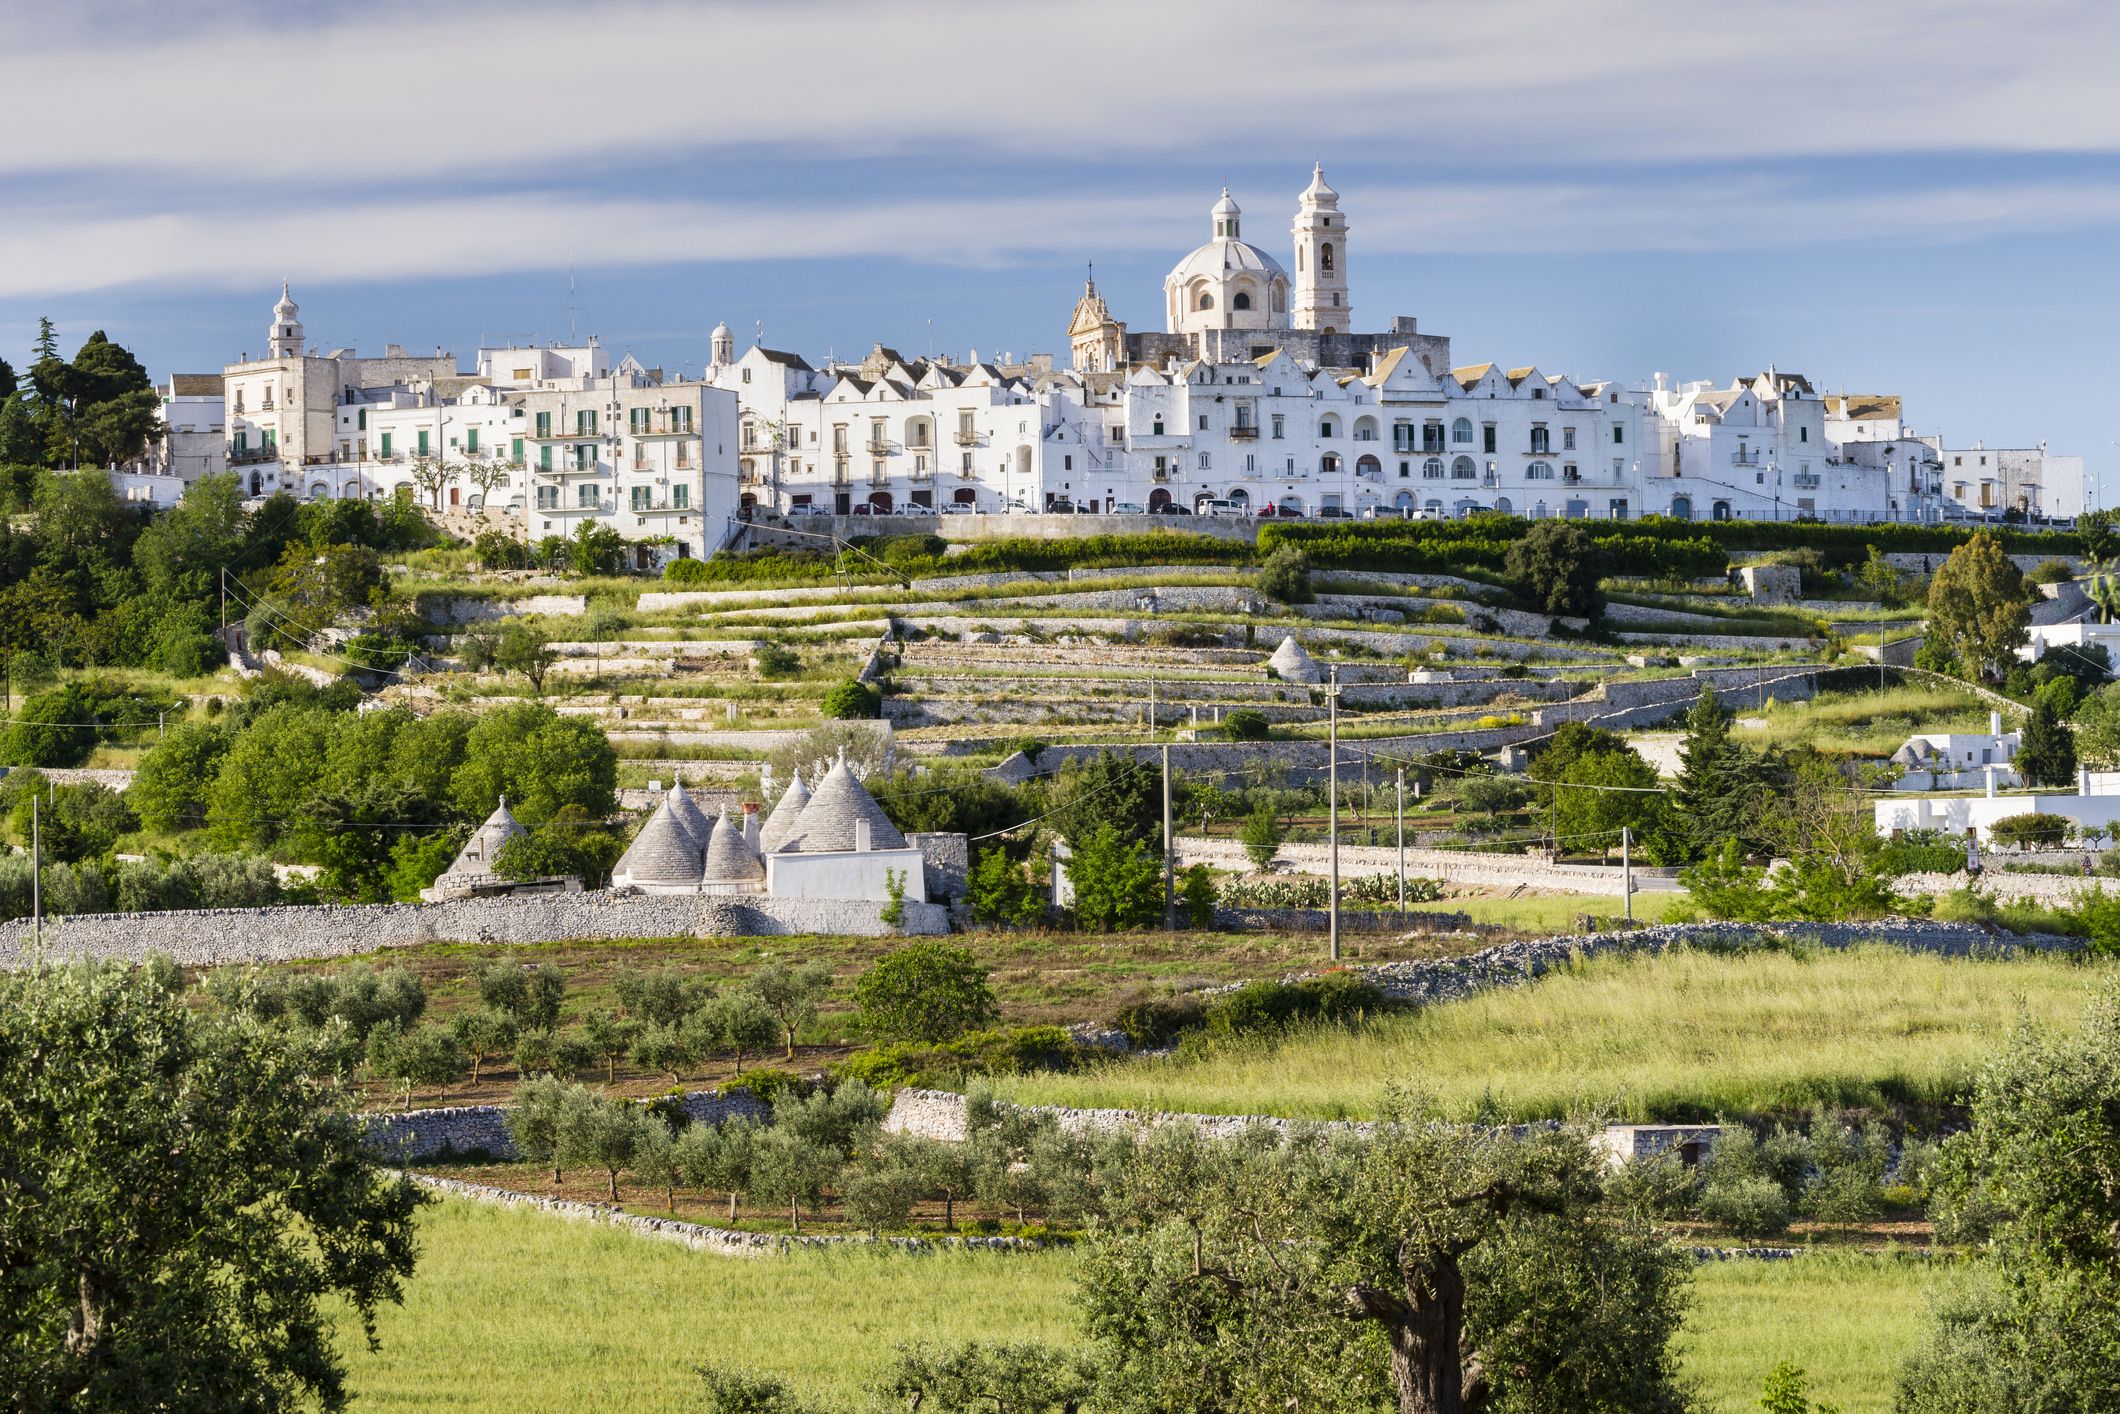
(36, 878)
(1626, 871)
(1170, 859)
(1402, 844)
(224, 599)
(1332, 801)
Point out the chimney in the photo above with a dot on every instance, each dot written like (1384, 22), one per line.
(861, 837)
(750, 824)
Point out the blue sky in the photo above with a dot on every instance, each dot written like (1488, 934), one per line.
(1920, 199)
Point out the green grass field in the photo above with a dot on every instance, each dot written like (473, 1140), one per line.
(1683, 1036)
(522, 1313)
(1864, 723)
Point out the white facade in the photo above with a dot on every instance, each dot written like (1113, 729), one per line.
(2094, 804)
(1988, 483)
(1959, 760)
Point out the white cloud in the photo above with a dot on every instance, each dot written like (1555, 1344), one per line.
(394, 96)
(63, 250)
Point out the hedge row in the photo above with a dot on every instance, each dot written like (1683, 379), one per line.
(1482, 542)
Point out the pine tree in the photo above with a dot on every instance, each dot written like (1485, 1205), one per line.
(2046, 753)
(1717, 781)
(47, 340)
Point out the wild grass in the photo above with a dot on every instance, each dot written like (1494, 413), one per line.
(1685, 1035)
(1848, 1318)
(522, 1313)
(1865, 723)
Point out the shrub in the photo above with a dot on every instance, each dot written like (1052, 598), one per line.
(2051, 572)
(2032, 830)
(1161, 1020)
(498, 550)
(687, 571)
(1921, 852)
(1286, 576)
(926, 992)
(999, 892)
(852, 700)
(1335, 997)
(765, 1084)
(1244, 724)
(1261, 835)
(1004, 1051)
(773, 660)
(1196, 897)
(1750, 1206)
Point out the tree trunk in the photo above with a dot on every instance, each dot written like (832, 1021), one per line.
(949, 1211)
(555, 1170)
(614, 1183)
(1423, 1325)
(794, 1216)
(732, 1205)
(791, 1043)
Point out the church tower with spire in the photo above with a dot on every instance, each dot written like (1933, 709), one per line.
(285, 338)
(1097, 341)
(1322, 302)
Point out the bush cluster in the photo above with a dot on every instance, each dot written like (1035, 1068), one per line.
(1482, 543)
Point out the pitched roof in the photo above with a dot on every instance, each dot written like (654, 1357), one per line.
(479, 852)
(729, 858)
(781, 823)
(690, 818)
(826, 824)
(791, 360)
(662, 853)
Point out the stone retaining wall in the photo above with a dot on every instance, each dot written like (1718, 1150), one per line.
(117, 778)
(210, 937)
(1451, 866)
(466, 1130)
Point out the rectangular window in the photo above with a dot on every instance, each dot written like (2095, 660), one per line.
(1803, 434)
(1541, 439)
(641, 497)
(584, 457)
(515, 451)
(423, 442)
(681, 495)
(361, 420)
(1619, 434)
(471, 440)
(1567, 439)
(1489, 440)
(1619, 467)
(585, 422)
(1251, 463)
(1067, 463)
(544, 457)
(585, 496)
(1280, 425)
(637, 421)
(1203, 422)
(1203, 461)
(548, 498)
(386, 446)
(544, 424)
(681, 419)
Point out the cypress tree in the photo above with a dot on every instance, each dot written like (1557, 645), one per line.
(1717, 779)
(2046, 753)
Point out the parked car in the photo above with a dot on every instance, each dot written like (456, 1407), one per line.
(957, 508)
(1127, 508)
(1060, 506)
(1334, 513)
(808, 510)
(1171, 508)
(1286, 512)
(1219, 508)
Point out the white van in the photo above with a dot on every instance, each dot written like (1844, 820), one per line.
(1219, 508)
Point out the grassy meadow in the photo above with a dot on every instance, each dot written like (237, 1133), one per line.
(1863, 723)
(1686, 1035)
(524, 1313)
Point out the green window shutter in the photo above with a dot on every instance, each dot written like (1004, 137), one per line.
(423, 441)
(386, 444)
(471, 440)
(515, 451)
(544, 457)
(544, 424)
(363, 416)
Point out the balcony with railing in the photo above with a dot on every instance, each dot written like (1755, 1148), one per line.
(967, 436)
(245, 456)
(1745, 457)
(879, 446)
(1244, 432)
(1805, 481)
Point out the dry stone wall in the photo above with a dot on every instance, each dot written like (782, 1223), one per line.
(469, 1130)
(210, 937)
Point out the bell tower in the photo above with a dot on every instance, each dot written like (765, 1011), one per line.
(285, 340)
(1321, 301)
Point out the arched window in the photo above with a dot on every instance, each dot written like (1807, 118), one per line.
(1432, 469)
(1461, 431)
(1501, 504)
(1722, 510)
(1681, 508)
(1404, 501)
(1464, 469)
(1325, 258)
(1158, 427)
(1436, 506)
(1539, 471)
(1241, 301)
(1328, 464)
(1207, 301)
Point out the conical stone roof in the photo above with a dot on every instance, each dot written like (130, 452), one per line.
(781, 823)
(690, 817)
(1291, 664)
(729, 858)
(827, 823)
(662, 853)
(484, 846)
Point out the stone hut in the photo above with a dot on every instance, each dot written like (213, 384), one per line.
(1290, 663)
(662, 858)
